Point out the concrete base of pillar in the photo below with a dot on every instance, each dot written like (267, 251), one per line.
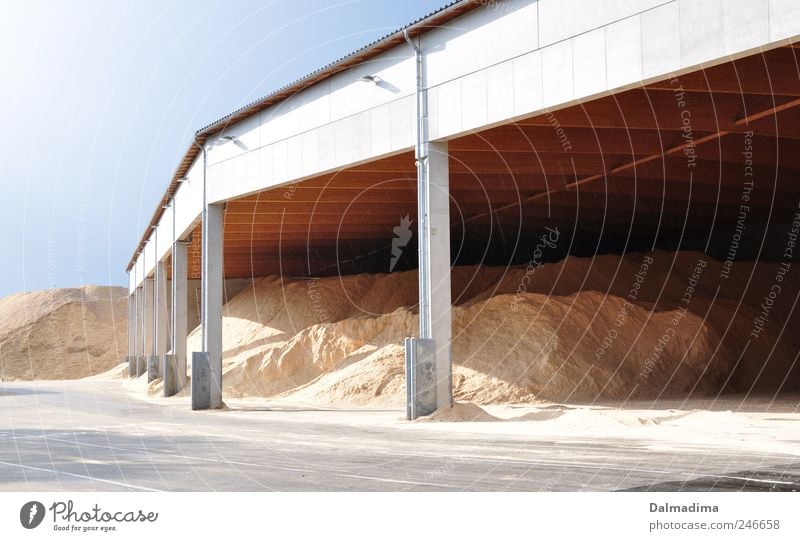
(141, 366)
(420, 377)
(203, 383)
(131, 360)
(174, 381)
(152, 368)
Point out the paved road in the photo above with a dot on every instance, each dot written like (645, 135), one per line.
(93, 435)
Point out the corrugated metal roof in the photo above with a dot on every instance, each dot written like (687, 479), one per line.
(432, 20)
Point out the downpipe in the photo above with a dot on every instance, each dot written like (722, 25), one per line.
(423, 190)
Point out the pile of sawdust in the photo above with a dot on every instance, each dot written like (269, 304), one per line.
(638, 326)
(62, 333)
(459, 412)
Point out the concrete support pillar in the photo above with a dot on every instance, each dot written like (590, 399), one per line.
(434, 265)
(159, 346)
(131, 324)
(211, 315)
(140, 350)
(141, 363)
(149, 310)
(174, 368)
(137, 335)
(129, 357)
(136, 325)
(162, 312)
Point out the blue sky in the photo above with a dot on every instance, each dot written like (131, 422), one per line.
(100, 101)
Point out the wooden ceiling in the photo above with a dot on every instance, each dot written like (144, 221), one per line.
(623, 169)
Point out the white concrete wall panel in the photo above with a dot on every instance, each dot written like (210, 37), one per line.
(624, 52)
(433, 112)
(474, 102)
(661, 40)
(494, 33)
(528, 85)
(280, 170)
(326, 147)
(253, 176)
(784, 19)
(743, 27)
(449, 108)
(294, 157)
(344, 137)
(499, 92)
(310, 155)
(401, 124)
(362, 136)
(137, 272)
(189, 198)
(164, 237)
(380, 129)
(589, 62)
(557, 82)
(265, 164)
(150, 255)
(701, 31)
(563, 19)
(215, 183)
(221, 178)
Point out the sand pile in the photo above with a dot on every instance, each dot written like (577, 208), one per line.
(62, 333)
(459, 412)
(639, 326)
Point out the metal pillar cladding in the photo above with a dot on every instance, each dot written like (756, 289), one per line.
(420, 377)
(180, 277)
(202, 381)
(433, 199)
